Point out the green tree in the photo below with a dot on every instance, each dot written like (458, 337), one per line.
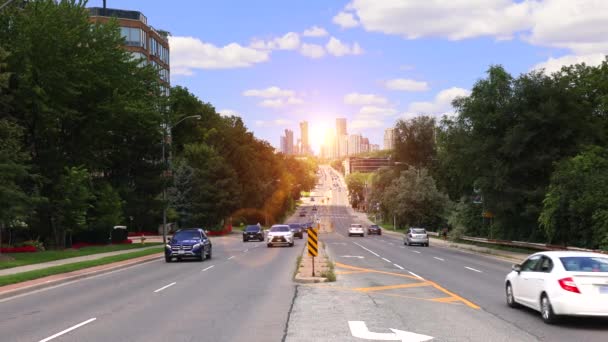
(356, 184)
(72, 205)
(415, 142)
(575, 208)
(415, 200)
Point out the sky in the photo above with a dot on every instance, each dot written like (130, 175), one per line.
(275, 63)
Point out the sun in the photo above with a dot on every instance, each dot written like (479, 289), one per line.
(317, 133)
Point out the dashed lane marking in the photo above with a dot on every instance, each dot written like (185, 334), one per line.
(472, 269)
(438, 259)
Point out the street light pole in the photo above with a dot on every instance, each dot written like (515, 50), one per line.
(165, 169)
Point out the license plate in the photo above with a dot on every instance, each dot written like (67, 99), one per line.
(180, 252)
(604, 289)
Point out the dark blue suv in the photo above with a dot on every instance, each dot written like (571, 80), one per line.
(188, 243)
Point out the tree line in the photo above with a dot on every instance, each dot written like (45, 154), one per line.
(523, 158)
(81, 130)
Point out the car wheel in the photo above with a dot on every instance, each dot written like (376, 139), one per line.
(269, 245)
(202, 257)
(546, 310)
(510, 297)
(405, 243)
(244, 240)
(426, 244)
(291, 244)
(167, 259)
(379, 233)
(209, 255)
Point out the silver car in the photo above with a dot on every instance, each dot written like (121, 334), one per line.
(417, 236)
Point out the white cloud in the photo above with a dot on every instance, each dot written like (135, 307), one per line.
(345, 20)
(272, 123)
(280, 103)
(364, 99)
(366, 123)
(289, 41)
(335, 47)
(189, 53)
(312, 50)
(294, 101)
(270, 92)
(315, 31)
(555, 64)
(374, 112)
(404, 84)
(229, 112)
(454, 19)
(442, 104)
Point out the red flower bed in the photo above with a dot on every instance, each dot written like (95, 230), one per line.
(142, 233)
(24, 249)
(225, 231)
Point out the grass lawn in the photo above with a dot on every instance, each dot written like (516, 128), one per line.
(21, 259)
(25, 276)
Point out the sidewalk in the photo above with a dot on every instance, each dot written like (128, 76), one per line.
(33, 267)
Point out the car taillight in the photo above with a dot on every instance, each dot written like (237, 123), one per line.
(569, 285)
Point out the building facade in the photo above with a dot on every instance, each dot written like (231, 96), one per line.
(354, 144)
(389, 138)
(364, 165)
(341, 126)
(143, 41)
(304, 147)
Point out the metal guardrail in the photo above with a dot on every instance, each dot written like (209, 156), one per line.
(532, 245)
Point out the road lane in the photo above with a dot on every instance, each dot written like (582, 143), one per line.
(128, 309)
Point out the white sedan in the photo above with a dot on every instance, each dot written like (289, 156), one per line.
(280, 234)
(356, 229)
(560, 283)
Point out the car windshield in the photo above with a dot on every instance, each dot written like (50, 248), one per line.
(279, 229)
(374, 226)
(252, 228)
(294, 226)
(418, 231)
(585, 264)
(187, 235)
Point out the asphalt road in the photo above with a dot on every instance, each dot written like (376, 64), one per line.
(243, 294)
(459, 298)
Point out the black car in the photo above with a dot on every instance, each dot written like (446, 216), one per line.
(188, 243)
(297, 230)
(314, 208)
(374, 229)
(253, 232)
(303, 213)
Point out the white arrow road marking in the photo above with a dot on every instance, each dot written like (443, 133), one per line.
(68, 330)
(359, 330)
(352, 256)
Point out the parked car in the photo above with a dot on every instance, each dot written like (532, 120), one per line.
(374, 229)
(297, 230)
(417, 236)
(560, 283)
(356, 229)
(188, 243)
(253, 232)
(279, 234)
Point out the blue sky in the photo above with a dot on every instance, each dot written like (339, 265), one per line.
(375, 61)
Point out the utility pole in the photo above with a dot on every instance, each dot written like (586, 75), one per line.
(394, 221)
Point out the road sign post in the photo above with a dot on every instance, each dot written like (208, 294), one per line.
(313, 246)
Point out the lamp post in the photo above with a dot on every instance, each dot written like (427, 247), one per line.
(165, 169)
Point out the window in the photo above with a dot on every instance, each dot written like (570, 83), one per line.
(531, 264)
(134, 36)
(585, 264)
(546, 265)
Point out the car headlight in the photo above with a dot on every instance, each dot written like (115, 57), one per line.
(168, 246)
(197, 246)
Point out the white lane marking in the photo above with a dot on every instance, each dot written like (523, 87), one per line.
(164, 287)
(402, 246)
(208, 268)
(374, 253)
(399, 267)
(472, 269)
(416, 252)
(390, 243)
(232, 257)
(68, 330)
(415, 275)
(385, 259)
(245, 251)
(438, 259)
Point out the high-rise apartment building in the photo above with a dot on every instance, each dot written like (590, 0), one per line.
(142, 40)
(305, 147)
(389, 138)
(341, 126)
(283, 148)
(342, 146)
(354, 144)
(364, 145)
(288, 142)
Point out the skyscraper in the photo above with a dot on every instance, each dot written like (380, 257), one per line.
(389, 138)
(341, 126)
(354, 144)
(305, 147)
(288, 141)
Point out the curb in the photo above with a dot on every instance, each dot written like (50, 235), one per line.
(298, 278)
(68, 278)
